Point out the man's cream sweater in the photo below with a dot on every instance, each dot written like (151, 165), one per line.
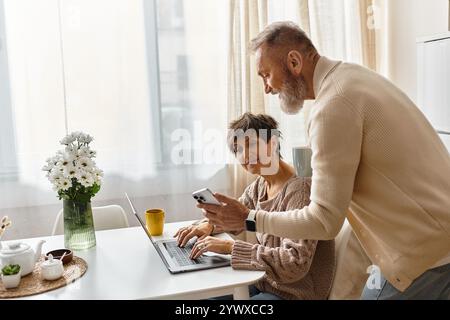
(378, 162)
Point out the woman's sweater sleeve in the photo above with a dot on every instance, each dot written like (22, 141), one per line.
(285, 264)
(290, 260)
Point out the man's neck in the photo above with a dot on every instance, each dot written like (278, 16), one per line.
(312, 60)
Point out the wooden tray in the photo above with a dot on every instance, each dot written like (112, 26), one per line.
(34, 284)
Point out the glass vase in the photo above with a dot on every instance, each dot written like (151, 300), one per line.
(79, 232)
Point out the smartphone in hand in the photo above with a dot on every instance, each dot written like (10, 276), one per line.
(205, 196)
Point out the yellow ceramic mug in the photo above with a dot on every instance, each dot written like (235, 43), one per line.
(154, 220)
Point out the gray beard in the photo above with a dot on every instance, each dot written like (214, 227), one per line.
(292, 95)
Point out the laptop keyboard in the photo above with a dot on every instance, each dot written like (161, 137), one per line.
(181, 255)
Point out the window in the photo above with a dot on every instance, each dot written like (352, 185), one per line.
(192, 69)
(130, 73)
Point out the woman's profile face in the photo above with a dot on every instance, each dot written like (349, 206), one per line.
(255, 154)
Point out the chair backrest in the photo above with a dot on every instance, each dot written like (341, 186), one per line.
(351, 266)
(107, 217)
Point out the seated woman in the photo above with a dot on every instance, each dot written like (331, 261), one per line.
(295, 269)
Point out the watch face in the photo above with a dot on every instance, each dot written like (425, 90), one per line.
(250, 225)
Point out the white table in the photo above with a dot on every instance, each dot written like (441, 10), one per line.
(125, 265)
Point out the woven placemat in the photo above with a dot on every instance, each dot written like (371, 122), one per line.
(34, 284)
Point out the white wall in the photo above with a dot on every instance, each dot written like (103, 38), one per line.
(408, 20)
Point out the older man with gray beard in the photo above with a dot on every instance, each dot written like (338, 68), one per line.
(376, 161)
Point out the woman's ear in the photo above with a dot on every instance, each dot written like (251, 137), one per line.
(274, 142)
(295, 62)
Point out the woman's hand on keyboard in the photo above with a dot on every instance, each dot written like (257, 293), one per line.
(211, 244)
(201, 231)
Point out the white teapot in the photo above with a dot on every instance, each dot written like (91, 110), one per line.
(20, 253)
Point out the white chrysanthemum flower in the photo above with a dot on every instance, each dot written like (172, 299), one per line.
(60, 154)
(70, 171)
(85, 151)
(85, 179)
(89, 139)
(65, 184)
(98, 172)
(72, 155)
(59, 167)
(71, 149)
(55, 177)
(79, 170)
(47, 167)
(53, 160)
(98, 175)
(90, 181)
(55, 174)
(85, 163)
(67, 159)
(76, 134)
(68, 139)
(85, 138)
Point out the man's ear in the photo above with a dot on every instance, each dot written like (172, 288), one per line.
(295, 62)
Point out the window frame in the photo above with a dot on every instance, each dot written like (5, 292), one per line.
(8, 156)
(152, 47)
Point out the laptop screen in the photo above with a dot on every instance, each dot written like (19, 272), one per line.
(138, 218)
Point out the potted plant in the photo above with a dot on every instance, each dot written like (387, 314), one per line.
(76, 177)
(11, 275)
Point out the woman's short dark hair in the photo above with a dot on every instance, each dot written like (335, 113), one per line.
(262, 125)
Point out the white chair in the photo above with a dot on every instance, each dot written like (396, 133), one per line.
(351, 265)
(105, 218)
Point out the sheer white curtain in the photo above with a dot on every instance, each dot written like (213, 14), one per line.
(131, 74)
(245, 91)
(349, 30)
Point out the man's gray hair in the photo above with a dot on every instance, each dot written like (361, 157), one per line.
(283, 33)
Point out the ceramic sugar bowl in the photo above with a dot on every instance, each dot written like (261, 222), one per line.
(52, 269)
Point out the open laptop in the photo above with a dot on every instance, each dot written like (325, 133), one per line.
(177, 259)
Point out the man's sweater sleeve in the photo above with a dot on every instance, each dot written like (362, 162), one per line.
(335, 135)
(247, 199)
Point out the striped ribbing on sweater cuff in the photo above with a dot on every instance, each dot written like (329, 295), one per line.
(241, 256)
